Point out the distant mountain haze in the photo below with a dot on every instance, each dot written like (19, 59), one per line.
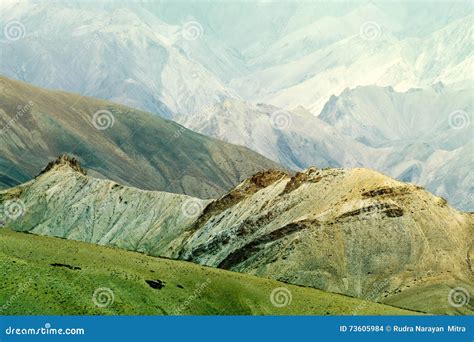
(179, 58)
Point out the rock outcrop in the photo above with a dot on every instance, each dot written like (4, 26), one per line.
(64, 160)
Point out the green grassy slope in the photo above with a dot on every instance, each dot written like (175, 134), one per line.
(31, 285)
(433, 298)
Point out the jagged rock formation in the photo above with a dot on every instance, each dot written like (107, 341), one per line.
(351, 231)
(63, 159)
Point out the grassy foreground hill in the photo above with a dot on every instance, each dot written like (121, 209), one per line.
(45, 275)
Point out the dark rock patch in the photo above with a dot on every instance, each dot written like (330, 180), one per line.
(391, 191)
(74, 268)
(155, 284)
(256, 245)
(394, 212)
(378, 192)
(389, 210)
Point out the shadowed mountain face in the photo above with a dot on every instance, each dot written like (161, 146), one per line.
(113, 141)
(351, 231)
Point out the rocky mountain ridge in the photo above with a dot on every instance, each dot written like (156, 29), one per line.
(350, 231)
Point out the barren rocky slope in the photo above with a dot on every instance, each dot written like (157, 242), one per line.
(295, 139)
(351, 231)
(63, 201)
(115, 142)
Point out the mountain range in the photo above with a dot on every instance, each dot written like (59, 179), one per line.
(421, 136)
(362, 48)
(273, 76)
(349, 231)
(184, 58)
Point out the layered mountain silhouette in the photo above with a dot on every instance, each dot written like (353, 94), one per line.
(350, 231)
(182, 61)
(113, 141)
